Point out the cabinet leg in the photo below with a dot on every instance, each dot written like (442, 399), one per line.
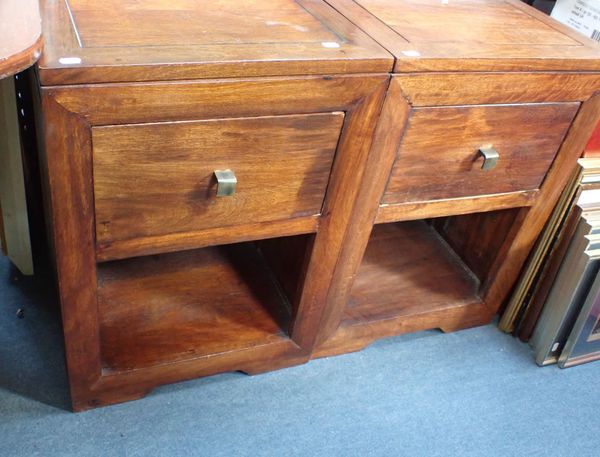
(476, 320)
(96, 399)
(272, 365)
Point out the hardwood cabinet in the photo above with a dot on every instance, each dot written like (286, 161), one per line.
(160, 278)
(440, 156)
(489, 106)
(357, 203)
(155, 181)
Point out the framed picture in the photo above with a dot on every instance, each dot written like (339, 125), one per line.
(583, 344)
(573, 281)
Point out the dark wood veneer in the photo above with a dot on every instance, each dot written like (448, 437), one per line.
(439, 154)
(154, 180)
(446, 100)
(407, 270)
(361, 210)
(187, 305)
(99, 373)
(130, 40)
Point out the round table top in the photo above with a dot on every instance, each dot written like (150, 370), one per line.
(20, 35)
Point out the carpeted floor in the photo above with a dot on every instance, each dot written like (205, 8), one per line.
(472, 393)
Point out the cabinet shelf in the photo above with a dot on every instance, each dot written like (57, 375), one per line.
(171, 307)
(408, 270)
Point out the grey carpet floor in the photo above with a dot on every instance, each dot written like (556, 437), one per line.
(470, 393)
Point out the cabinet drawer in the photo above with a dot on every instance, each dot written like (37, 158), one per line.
(439, 155)
(158, 179)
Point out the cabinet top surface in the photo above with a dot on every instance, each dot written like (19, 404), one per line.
(476, 35)
(142, 40)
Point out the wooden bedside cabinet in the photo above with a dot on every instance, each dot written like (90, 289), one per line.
(489, 106)
(250, 186)
(200, 165)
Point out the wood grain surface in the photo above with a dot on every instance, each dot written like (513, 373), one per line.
(129, 40)
(468, 35)
(298, 101)
(187, 305)
(477, 238)
(155, 103)
(508, 264)
(494, 255)
(439, 155)
(354, 229)
(67, 174)
(495, 88)
(308, 109)
(408, 270)
(454, 206)
(158, 179)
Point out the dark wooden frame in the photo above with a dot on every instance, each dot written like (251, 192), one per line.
(100, 86)
(359, 54)
(415, 90)
(436, 55)
(69, 113)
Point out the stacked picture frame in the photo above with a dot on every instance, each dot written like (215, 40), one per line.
(578, 271)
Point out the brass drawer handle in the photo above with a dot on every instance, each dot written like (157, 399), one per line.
(490, 157)
(226, 183)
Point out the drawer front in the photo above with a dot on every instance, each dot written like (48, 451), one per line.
(158, 179)
(439, 156)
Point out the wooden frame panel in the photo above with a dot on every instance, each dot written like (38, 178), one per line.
(509, 263)
(491, 88)
(334, 338)
(369, 189)
(353, 52)
(202, 238)
(282, 164)
(438, 157)
(70, 112)
(66, 160)
(454, 206)
(430, 53)
(103, 85)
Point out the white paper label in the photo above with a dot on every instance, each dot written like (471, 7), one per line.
(581, 15)
(411, 53)
(69, 60)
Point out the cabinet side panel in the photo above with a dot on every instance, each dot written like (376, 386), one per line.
(67, 170)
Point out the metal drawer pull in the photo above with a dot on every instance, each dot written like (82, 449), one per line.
(226, 183)
(490, 157)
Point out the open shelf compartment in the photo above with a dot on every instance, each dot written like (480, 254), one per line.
(408, 269)
(186, 305)
(422, 268)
